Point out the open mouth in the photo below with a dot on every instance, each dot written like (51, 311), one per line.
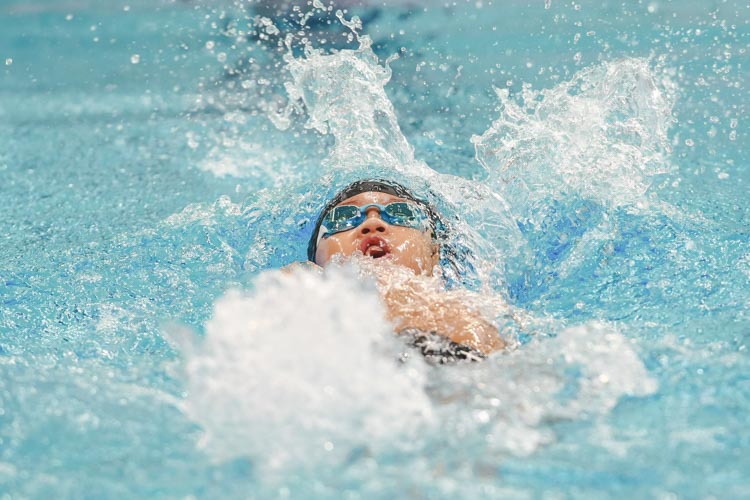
(374, 247)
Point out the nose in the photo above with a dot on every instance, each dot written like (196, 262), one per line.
(373, 223)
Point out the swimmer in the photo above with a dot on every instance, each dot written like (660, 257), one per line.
(394, 234)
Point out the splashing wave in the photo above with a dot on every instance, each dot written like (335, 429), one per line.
(302, 371)
(602, 136)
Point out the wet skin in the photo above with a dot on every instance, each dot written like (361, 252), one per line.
(410, 303)
(404, 246)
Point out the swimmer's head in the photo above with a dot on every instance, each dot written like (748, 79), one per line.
(378, 219)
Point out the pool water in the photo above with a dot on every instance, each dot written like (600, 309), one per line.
(160, 160)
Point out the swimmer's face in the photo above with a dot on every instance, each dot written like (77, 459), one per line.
(404, 246)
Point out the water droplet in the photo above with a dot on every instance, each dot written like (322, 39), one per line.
(191, 141)
(135, 59)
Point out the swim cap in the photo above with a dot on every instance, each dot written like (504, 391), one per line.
(378, 186)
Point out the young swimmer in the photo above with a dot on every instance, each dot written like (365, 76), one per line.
(383, 221)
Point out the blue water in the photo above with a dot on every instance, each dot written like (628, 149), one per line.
(151, 167)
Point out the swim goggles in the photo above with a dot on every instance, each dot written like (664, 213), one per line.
(398, 213)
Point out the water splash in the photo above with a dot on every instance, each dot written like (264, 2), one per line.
(554, 159)
(301, 376)
(601, 136)
(581, 373)
(344, 96)
(300, 372)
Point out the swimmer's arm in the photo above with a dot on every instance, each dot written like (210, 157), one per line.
(444, 315)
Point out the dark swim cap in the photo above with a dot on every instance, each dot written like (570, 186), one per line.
(378, 186)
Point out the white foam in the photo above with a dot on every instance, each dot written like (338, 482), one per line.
(300, 371)
(343, 95)
(602, 135)
(581, 373)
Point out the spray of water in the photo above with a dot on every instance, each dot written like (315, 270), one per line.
(343, 95)
(303, 373)
(300, 372)
(291, 373)
(601, 136)
(581, 373)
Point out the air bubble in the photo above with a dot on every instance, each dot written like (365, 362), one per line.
(135, 59)
(9, 61)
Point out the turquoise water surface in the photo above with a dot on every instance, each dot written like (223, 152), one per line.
(160, 160)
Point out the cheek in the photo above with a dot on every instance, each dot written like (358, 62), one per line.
(416, 249)
(329, 247)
